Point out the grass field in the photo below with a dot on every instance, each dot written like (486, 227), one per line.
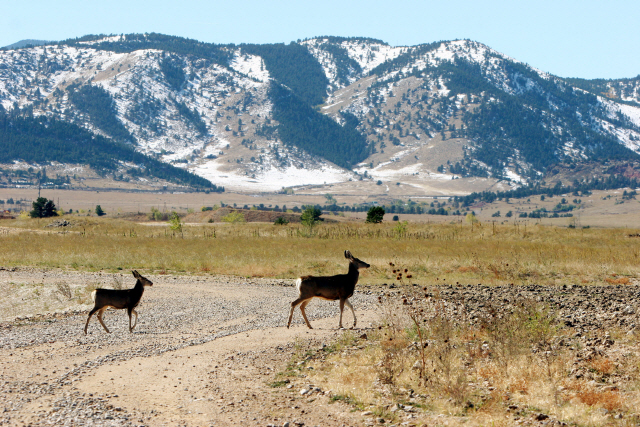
(485, 253)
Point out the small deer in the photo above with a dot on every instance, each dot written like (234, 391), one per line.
(119, 299)
(330, 288)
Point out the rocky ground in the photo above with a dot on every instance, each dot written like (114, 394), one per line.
(207, 349)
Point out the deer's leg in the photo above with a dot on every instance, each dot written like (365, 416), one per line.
(341, 309)
(304, 315)
(100, 319)
(348, 304)
(129, 311)
(136, 321)
(293, 306)
(89, 318)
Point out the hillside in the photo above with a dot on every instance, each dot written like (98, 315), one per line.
(327, 110)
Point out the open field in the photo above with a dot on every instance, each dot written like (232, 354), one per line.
(492, 324)
(521, 253)
(600, 209)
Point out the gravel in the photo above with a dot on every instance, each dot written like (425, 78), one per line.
(176, 312)
(183, 311)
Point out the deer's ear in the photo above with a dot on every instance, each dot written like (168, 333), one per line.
(135, 273)
(348, 255)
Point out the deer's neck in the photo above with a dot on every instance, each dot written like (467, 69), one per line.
(138, 289)
(353, 273)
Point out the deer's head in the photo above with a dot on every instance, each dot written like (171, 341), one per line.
(355, 261)
(142, 279)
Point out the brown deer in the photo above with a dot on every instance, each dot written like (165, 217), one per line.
(330, 288)
(119, 299)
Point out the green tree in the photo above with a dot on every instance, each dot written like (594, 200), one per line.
(175, 223)
(311, 216)
(43, 208)
(375, 215)
(330, 199)
(99, 211)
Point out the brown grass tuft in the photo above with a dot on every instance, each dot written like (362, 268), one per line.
(610, 400)
(602, 365)
(619, 281)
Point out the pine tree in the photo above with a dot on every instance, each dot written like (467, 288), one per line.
(43, 208)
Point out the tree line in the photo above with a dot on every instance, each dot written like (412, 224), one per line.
(43, 140)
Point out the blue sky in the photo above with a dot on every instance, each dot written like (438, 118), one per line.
(568, 38)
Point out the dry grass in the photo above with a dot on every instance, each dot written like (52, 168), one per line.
(488, 254)
(494, 372)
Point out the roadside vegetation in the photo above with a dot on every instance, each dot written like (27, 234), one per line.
(427, 363)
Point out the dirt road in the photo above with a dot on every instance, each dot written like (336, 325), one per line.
(204, 353)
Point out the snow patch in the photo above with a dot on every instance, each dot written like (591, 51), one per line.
(272, 179)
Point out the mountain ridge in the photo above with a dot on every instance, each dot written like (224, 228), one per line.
(438, 111)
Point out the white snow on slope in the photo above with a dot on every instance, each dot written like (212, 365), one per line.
(250, 65)
(272, 179)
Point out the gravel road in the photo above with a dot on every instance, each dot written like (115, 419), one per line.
(44, 356)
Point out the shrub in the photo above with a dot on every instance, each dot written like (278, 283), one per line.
(281, 221)
(234, 217)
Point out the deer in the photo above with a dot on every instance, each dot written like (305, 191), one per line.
(118, 299)
(338, 287)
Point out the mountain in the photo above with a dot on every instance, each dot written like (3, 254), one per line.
(328, 110)
(26, 43)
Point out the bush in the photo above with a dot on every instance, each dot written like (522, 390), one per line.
(234, 217)
(156, 215)
(281, 221)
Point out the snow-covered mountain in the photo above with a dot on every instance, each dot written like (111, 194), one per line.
(242, 116)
